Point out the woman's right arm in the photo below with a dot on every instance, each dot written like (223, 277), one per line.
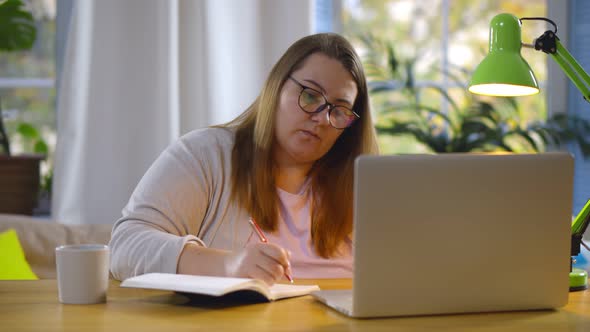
(157, 232)
(163, 214)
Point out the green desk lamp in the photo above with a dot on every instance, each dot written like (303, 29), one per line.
(504, 72)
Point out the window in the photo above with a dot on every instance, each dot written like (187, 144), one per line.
(438, 42)
(325, 18)
(27, 79)
(444, 37)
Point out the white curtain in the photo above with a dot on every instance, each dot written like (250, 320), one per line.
(139, 73)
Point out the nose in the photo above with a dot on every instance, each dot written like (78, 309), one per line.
(323, 116)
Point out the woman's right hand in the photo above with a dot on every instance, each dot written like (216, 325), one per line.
(264, 261)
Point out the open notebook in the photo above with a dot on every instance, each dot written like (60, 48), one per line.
(216, 286)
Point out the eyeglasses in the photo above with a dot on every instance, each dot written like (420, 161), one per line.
(312, 101)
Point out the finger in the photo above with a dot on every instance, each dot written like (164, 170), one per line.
(276, 270)
(288, 272)
(271, 266)
(276, 253)
(258, 259)
(263, 253)
(261, 274)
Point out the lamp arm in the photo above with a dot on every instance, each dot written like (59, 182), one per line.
(572, 69)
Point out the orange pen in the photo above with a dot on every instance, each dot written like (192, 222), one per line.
(262, 238)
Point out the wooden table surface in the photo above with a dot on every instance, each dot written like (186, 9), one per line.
(34, 306)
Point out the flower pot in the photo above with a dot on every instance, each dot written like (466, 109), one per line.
(19, 183)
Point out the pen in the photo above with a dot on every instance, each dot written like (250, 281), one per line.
(262, 238)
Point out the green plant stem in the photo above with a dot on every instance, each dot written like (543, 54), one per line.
(3, 134)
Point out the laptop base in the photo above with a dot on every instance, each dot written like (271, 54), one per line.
(337, 299)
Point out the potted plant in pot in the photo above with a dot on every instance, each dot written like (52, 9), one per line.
(19, 175)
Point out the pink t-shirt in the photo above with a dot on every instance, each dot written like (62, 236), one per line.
(294, 235)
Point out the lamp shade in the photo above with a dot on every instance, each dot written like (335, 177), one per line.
(503, 72)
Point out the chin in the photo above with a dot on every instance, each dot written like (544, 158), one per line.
(305, 157)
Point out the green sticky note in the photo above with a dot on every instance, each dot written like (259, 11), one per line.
(13, 265)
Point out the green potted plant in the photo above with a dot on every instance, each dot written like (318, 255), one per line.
(19, 175)
(473, 125)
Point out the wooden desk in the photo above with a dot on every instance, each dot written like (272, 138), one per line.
(33, 306)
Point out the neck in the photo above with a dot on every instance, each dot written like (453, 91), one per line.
(291, 176)
(291, 179)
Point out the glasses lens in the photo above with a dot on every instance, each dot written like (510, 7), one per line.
(342, 117)
(310, 100)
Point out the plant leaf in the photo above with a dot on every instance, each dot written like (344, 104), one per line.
(392, 59)
(27, 131)
(17, 26)
(528, 138)
(384, 86)
(413, 129)
(41, 147)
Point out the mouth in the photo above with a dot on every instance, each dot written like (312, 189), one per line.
(310, 133)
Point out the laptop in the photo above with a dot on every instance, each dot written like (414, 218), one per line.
(458, 233)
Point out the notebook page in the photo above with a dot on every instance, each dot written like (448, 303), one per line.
(187, 283)
(279, 291)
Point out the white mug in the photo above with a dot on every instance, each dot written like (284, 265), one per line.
(82, 273)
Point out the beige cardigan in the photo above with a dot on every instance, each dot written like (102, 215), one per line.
(184, 196)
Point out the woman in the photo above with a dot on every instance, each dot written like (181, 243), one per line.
(286, 162)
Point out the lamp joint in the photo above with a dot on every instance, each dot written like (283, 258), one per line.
(547, 42)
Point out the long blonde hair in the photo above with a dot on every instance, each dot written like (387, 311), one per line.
(253, 169)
